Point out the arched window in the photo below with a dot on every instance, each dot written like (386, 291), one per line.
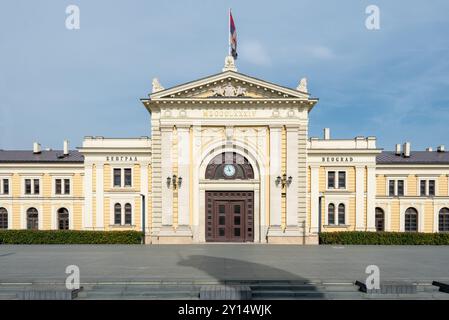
(63, 219)
(411, 220)
(128, 215)
(443, 220)
(117, 213)
(32, 219)
(380, 220)
(229, 165)
(331, 213)
(3, 218)
(341, 214)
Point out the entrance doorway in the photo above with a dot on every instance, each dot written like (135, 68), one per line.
(229, 216)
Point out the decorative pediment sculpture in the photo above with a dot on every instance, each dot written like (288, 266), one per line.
(229, 64)
(157, 86)
(228, 91)
(302, 86)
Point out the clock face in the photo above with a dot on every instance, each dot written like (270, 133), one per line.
(229, 170)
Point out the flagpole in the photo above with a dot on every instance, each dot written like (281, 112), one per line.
(229, 32)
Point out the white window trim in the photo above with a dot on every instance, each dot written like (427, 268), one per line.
(385, 206)
(40, 210)
(396, 186)
(336, 170)
(32, 194)
(418, 188)
(1, 186)
(122, 177)
(63, 194)
(54, 217)
(419, 206)
(336, 202)
(122, 203)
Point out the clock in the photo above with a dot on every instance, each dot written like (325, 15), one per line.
(229, 170)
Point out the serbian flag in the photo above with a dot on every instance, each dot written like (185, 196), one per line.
(232, 36)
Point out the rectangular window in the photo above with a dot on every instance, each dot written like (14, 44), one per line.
(400, 187)
(117, 177)
(422, 188)
(431, 188)
(58, 186)
(331, 179)
(391, 188)
(66, 186)
(342, 179)
(27, 186)
(5, 186)
(128, 178)
(36, 186)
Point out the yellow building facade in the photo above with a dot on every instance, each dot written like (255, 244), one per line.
(229, 160)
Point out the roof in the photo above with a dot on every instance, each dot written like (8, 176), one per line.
(416, 157)
(51, 156)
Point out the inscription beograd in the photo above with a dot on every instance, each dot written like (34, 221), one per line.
(229, 113)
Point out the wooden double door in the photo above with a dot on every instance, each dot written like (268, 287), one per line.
(229, 216)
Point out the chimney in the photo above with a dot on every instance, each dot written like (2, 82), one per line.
(327, 134)
(441, 148)
(36, 148)
(398, 149)
(66, 147)
(407, 149)
(429, 149)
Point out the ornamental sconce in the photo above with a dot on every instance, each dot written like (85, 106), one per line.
(175, 181)
(284, 181)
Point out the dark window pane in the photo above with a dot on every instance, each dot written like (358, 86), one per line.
(237, 220)
(221, 208)
(221, 232)
(3, 218)
(341, 213)
(391, 188)
(117, 177)
(36, 186)
(443, 220)
(331, 179)
(411, 220)
(27, 186)
(128, 179)
(128, 214)
(58, 186)
(63, 219)
(331, 214)
(32, 219)
(431, 187)
(422, 187)
(342, 179)
(380, 220)
(117, 213)
(400, 187)
(66, 186)
(237, 209)
(237, 232)
(5, 186)
(222, 220)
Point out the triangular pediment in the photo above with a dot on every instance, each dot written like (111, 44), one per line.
(229, 85)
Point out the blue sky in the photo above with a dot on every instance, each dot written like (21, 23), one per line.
(55, 83)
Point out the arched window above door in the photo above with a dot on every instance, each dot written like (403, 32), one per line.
(228, 166)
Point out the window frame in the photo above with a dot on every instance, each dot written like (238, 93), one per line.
(396, 186)
(7, 218)
(122, 177)
(417, 219)
(2, 186)
(426, 181)
(33, 191)
(63, 193)
(336, 172)
(445, 219)
(27, 217)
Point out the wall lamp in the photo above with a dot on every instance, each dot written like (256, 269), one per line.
(175, 181)
(284, 180)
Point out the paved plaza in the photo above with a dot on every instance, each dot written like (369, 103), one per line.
(220, 262)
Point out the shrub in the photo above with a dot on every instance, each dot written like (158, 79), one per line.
(384, 238)
(69, 237)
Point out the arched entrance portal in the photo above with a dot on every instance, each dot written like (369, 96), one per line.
(229, 184)
(229, 214)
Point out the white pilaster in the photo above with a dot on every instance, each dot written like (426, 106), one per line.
(292, 170)
(184, 172)
(314, 198)
(359, 198)
(99, 223)
(371, 198)
(144, 191)
(87, 196)
(167, 191)
(275, 171)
